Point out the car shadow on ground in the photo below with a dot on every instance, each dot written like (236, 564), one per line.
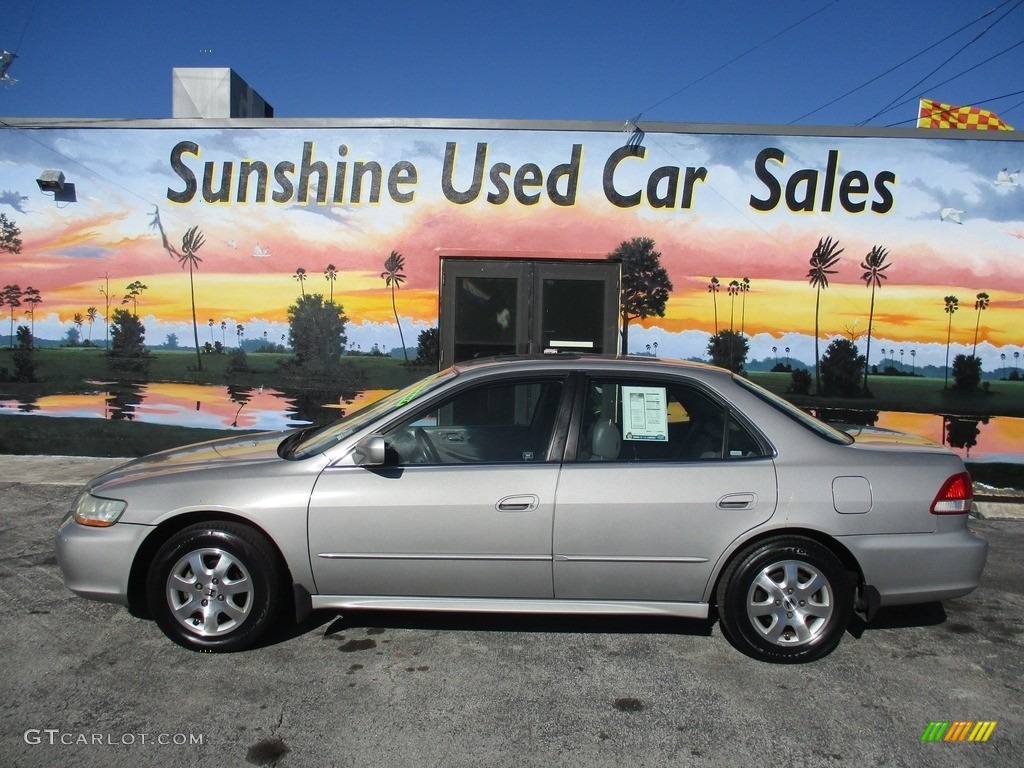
(508, 622)
(900, 617)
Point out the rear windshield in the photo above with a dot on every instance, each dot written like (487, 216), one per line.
(802, 418)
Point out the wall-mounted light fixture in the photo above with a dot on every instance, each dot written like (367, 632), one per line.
(52, 182)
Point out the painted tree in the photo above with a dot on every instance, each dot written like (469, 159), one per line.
(734, 291)
(91, 315)
(393, 278)
(824, 257)
(79, 320)
(239, 330)
(10, 236)
(713, 290)
(11, 297)
(874, 267)
(224, 332)
(952, 304)
(645, 283)
(210, 323)
(331, 274)
(135, 289)
(300, 275)
(33, 298)
(744, 290)
(980, 304)
(191, 242)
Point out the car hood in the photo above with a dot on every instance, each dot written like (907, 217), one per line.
(221, 454)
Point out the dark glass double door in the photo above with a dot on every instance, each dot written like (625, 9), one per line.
(502, 307)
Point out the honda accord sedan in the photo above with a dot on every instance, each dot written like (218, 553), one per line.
(554, 484)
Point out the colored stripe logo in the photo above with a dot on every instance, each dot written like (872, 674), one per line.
(959, 730)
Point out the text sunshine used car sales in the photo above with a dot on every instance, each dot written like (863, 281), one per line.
(667, 187)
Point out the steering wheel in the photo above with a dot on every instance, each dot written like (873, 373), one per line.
(426, 448)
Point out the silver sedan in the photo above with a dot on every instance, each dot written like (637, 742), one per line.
(558, 484)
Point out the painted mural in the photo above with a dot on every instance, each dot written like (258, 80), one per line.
(320, 208)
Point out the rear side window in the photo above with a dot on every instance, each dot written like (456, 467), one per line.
(652, 420)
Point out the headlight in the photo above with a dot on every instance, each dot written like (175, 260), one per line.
(97, 511)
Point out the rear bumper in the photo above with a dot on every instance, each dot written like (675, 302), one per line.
(920, 567)
(96, 562)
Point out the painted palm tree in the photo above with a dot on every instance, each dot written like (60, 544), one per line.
(91, 315)
(239, 330)
(300, 275)
(393, 278)
(952, 304)
(825, 256)
(734, 290)
(191, 242)
(331, 274)
(223, 333)
(135, 289)
(713, 290)
(10, 296)
(980, 304)
(210, 323)
(874, 267)
(744, 289)
(33, 298)
(79, 320)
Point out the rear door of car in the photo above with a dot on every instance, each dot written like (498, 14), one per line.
(663, 478)
(463, 506)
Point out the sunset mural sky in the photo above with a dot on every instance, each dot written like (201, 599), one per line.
(124, 175)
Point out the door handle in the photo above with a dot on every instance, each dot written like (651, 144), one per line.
(523, 503)
(738, 501)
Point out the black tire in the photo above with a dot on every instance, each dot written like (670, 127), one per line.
(234, 598)
(786, 600)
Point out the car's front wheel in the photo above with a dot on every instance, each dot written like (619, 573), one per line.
(215, 586)
(785, 600)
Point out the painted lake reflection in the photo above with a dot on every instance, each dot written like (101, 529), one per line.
(197, 405)
(996, 438)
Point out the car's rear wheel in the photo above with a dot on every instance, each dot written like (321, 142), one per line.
(785, 600)
(215, 587)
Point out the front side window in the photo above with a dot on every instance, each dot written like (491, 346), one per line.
(484, 424)
(656, 420)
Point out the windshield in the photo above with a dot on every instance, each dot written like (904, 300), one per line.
(315, 440)
(801, 417)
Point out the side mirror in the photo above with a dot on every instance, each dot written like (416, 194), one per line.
(369, 452)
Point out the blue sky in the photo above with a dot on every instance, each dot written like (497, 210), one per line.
(723, 62)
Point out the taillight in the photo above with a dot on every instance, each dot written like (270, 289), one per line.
(955, 496)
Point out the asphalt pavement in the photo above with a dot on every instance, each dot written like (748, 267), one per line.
(88, 684)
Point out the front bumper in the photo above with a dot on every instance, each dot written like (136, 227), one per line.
(96, 562)
(920, 567)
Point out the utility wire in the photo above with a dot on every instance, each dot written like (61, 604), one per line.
(732, 61)
(981, 101)
(897, 66)
(893, 104)
(960, 74)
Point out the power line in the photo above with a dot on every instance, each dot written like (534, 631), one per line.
(974, 104)
(732, 61)
(893, 104)
(902, 63)
(960, 74)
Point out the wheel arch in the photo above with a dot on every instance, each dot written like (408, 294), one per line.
(740, 546)
(137, 602)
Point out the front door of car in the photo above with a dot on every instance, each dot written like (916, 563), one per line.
(462, 508)
(664, 479)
